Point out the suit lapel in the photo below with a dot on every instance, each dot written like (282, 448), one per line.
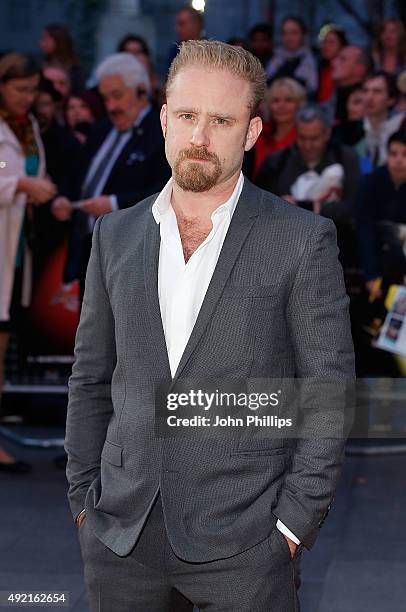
(248, 208)
(138, 137)
(151, 258)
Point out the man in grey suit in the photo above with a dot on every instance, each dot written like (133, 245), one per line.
(210, 279)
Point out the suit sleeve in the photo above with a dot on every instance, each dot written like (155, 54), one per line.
(8, 189)
(319, 329)
(90, 405)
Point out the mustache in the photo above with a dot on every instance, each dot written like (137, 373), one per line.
(200, 153)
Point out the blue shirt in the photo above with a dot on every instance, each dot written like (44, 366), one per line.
(31, 169)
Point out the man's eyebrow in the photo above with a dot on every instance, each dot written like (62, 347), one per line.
(196, 111)
(222, 116)
(113, 92)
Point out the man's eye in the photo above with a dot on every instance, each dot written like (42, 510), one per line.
(220, 121)
(187, 116)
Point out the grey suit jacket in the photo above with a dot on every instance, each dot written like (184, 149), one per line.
(219, 497)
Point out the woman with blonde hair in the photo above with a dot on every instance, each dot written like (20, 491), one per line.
(283, 98)
(22, 185)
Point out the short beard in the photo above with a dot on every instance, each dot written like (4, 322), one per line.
(195, 177)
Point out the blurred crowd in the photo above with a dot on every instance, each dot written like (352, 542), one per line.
(75, 146)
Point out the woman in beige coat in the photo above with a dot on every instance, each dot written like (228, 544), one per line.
(22, 185)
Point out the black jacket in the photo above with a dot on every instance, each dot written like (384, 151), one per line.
(140, 170)
(380, 211)
(280, 170)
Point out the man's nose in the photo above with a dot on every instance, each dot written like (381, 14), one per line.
(200, 135)
(111, 106)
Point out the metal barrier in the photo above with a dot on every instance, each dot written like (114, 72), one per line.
(40, 375)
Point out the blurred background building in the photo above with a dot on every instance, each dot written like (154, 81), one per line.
(96, 25)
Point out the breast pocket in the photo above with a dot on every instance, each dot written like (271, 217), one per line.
(135, 157)
(263, 305)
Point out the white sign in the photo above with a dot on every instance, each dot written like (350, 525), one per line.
(392, 336)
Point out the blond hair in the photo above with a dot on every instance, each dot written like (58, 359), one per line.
(295, 89)
(217, 55)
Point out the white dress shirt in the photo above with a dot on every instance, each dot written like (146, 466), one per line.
(377, 138)
(182, 286)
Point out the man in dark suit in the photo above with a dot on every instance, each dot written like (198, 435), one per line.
(210, 279)
(318, 174)
(123, 160)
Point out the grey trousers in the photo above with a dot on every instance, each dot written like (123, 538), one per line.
(260, 579)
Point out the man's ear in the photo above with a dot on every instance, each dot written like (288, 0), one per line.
(254, 130)
(164, 116)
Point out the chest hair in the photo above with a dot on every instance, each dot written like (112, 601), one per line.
(192, 233)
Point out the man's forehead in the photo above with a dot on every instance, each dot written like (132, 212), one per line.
(310, 127)
(201, 74)
(351, 53)
(375, 83)
(208, 84)
(183, 17)
(112, 80)
(398, 146)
